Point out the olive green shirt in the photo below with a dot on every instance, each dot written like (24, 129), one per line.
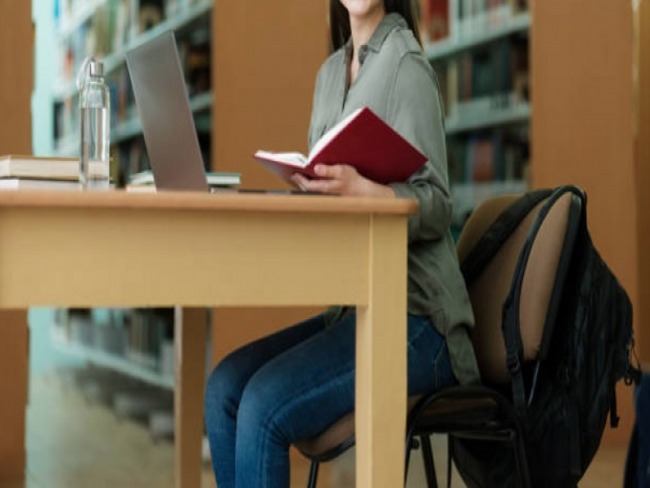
(399, 85)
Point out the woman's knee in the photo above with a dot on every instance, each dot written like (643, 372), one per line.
(261, 409)
(223, 389)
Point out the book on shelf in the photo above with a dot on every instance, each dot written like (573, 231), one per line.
(46, 168)
(436, 19)
(362, 140)
(483, 165)
(144, 180)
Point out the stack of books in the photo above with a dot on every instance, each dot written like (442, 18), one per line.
(46, 173)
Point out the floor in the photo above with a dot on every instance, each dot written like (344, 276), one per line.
(74, 442)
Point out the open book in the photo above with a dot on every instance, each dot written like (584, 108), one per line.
(362, 140)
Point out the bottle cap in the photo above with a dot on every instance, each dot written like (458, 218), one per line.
(89, 67)
(96, 68)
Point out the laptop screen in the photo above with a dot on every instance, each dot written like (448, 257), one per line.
(167, 121)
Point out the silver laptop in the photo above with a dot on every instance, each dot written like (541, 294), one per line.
(167, 122)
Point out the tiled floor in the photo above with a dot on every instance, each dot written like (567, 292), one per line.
(73, 443)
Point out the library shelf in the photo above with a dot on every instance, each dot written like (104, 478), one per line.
(489, 117)
(471, 38)
(75, 19)
(183, 18)
(480, 53)
(114, 362)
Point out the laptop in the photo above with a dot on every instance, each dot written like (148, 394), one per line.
(168, 126)
(167, 121)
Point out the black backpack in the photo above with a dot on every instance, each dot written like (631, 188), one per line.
(563, 402)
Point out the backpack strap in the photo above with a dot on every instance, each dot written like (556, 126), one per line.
(498, 232)
(510, 312)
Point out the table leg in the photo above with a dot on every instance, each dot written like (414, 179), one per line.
(381, 361)
(190, 344)
(14, 355)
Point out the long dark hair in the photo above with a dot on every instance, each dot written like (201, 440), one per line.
(340, 20)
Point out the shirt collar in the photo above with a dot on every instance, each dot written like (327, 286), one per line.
(385, 27)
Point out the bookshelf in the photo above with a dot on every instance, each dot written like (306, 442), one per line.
(479, 50)
(113, 362)
(138, 343)
(509, 23)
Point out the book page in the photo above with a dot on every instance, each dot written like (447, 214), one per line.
(291, 158)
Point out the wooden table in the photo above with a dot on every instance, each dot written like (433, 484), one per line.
(83, 249)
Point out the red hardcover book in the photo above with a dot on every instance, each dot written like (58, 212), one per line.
(362, 140)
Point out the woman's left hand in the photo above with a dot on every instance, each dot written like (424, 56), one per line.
(341, 179)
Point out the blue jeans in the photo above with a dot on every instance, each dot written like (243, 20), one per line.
(293, 385)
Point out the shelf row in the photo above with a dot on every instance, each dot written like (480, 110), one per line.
(75, 47)
(485, 117)
(70, 15)
(138, 343)
(478, 36)
(113, 362)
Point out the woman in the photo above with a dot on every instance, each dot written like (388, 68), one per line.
(294, 384)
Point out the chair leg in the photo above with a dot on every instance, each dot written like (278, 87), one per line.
(429, 466)
(520, 461)
(411, 443)
(313, 474)
(448, 461)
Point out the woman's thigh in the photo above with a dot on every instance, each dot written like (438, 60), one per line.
(302, 391)
(231, 375)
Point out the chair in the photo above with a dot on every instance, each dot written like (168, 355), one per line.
(491, 248)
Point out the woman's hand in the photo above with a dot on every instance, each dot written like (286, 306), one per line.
(341, 179)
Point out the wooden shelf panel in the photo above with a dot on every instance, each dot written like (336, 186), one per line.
(488, 117)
